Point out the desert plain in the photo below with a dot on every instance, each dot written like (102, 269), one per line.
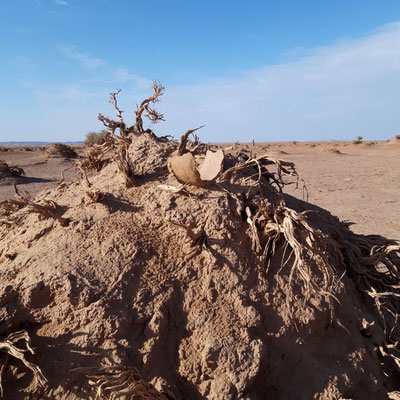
(356, 182)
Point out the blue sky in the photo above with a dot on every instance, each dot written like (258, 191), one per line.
(263, 70)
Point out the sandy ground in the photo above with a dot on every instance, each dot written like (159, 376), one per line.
(356, 182)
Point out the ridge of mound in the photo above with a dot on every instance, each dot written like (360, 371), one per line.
(147, 286)
(395, 140)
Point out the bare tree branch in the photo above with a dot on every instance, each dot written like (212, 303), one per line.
(184, 139)
(152, 114)
(113, 101)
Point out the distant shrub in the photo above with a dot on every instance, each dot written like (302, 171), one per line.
(4, 148)
(94, 138)
(61, 150)
(358, 140)
(397, 137)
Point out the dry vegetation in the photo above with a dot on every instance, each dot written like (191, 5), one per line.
(289, 264)
(8, 347)
(94, 138)
(11, 210)
(7, 171)
(112, 382)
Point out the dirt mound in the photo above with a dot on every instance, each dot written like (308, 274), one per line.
(329, 149)
(61, 150)
(224, 290)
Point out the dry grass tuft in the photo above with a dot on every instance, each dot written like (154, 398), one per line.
(116, 381)
(61, 150)
(8, 346)
(7, 171)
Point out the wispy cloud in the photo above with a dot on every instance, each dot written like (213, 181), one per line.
(109, 73)
(61, 2)
(338, 91)
(123, 75)
(84, 58)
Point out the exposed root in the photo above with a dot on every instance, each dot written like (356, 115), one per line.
(94, 196)
(312, 255)
(174, 189)
(374, 264)
(8, 346)
(23, 204)
(254, 170)
(94, 160)
(122, 160)
(116, 381)
(371, 261)
(196, 238)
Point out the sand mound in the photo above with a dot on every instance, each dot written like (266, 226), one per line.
(395, 140)
(61, 150)
(144, 285)
(329, 149)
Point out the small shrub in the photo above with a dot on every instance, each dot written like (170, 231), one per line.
(397, 137)
(358, 140)
(93, 138)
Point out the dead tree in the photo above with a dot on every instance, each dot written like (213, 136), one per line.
(124, 130)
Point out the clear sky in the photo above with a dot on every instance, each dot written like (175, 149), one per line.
(266, 70)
